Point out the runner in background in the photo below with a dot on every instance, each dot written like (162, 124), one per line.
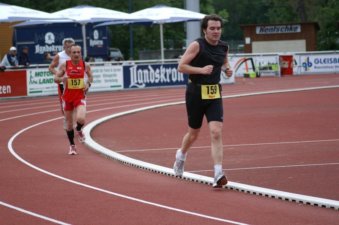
(58, 60)
(72, 74)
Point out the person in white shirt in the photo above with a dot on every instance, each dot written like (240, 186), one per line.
(10, 59)
(57, 61)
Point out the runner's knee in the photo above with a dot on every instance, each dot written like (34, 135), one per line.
(215, 132)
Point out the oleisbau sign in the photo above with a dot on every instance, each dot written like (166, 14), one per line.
(319, 63)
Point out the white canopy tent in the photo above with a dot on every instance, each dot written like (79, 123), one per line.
(13, 13)
(160, 14)
(83, 14)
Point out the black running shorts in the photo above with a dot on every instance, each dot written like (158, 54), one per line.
(197, 107)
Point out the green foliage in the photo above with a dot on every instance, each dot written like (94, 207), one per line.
(280, 11)
(326, 13)
(328, 17)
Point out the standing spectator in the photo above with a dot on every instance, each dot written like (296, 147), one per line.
(23, 57)
(10, 59)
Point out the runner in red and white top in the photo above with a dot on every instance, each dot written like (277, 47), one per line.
(72, 75)
(58, 60)
(55, 65)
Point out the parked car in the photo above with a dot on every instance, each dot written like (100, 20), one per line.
(115, 54)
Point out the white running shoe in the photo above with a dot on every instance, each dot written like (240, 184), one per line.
(179, 163)
(220, 181)
(72, 150)
(178, 167)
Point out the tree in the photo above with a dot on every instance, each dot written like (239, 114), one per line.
(328, 17)
(326, 13)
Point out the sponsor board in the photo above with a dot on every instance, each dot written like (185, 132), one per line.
(265, 65)
(40, 82)
(13, 83)
(107, 78)
(152, 75)
(319, 63)
(47, 38)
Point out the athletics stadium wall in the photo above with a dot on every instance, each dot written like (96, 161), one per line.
(36, 80)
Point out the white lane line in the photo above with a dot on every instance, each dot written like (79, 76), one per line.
(29, 114)
(283, 143)
(12, 151)
(33, 214)
(280, 91)
(233, 145)
(51, 103)
(270, 167)
(101, 109)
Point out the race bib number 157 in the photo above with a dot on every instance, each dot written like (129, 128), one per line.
(75, 83)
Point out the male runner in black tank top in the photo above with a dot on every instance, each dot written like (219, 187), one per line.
(203, 61)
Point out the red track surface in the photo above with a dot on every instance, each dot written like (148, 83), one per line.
(286, 141)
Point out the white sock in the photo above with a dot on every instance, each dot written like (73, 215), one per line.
(217, 169)
(180, 155)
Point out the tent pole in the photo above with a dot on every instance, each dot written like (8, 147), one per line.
(83, 27)
(162, 42)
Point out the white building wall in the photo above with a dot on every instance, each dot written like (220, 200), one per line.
(279, 46)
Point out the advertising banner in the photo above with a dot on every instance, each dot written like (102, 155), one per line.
(107, 78)
(97, 41)
(40, 82)
(47, 38)
(318, 63)
(13, 83)
(263, 65)
(152, 75)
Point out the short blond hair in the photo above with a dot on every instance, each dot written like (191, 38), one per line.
(68, 40)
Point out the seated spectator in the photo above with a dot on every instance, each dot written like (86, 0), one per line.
(48, 58)
(23, 57)
(10, 59)
(89, 59)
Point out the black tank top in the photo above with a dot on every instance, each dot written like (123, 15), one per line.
(209, 55)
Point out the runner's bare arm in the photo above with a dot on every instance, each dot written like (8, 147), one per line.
(59, 75)
(190, 53)
(226, 67)
(54, 64)
(89, 76)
